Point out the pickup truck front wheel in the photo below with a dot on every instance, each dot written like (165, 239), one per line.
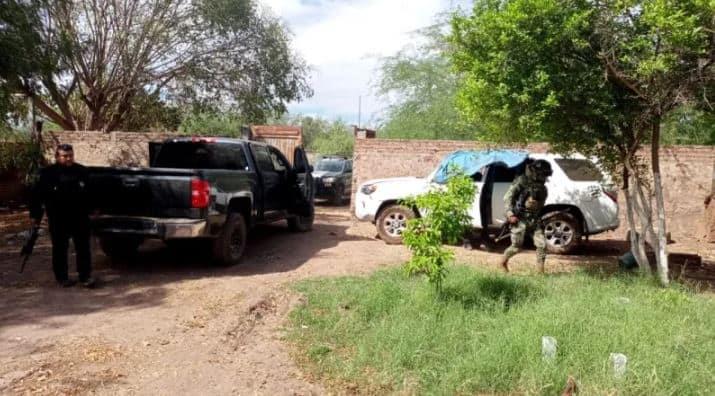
(231, 242)
(392, 221)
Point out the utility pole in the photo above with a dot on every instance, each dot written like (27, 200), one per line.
(359, 110)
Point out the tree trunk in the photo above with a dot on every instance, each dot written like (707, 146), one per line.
(635, 237)
(661, 254)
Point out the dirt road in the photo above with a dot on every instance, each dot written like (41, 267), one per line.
(171, 323)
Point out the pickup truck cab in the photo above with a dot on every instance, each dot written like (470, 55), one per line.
(579, 202)
(209, 189)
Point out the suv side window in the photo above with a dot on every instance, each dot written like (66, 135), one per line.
(348, 166)
(263, 159)
(279, 163)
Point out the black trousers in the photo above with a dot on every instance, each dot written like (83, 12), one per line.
(61, 230)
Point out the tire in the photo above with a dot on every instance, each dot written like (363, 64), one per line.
(120, 246)
(392, 221)
(301, 223)
(562, 233)
(228, 248)
(338, 197)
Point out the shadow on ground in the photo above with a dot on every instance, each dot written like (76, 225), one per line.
(33, 297)
(491, 292)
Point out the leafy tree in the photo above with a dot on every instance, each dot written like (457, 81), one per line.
(85, 63)
(149, 112)
(213, 124)
(335, 139)
(322, 136)
(421, 85)
(594, 76)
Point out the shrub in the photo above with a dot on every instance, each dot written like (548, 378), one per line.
(19, 153)
(445, 219)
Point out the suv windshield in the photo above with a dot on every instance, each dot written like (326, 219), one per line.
(191, 155)
(580, 169)
(330, 165)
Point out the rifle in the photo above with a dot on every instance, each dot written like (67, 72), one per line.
(29, 246)
(504, 232)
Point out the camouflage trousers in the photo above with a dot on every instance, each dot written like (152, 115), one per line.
(518, 233)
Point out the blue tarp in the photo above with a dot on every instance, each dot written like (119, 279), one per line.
(470, 161)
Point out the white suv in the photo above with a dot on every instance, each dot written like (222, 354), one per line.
(579, 203)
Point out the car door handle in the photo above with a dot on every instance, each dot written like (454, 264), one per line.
(130, 183)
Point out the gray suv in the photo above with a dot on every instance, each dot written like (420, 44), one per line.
(333, 176)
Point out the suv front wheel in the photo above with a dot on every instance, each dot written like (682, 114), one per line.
(392, 222)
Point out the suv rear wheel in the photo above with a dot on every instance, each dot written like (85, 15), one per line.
(562, 232)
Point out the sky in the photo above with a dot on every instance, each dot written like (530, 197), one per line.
(342, 42)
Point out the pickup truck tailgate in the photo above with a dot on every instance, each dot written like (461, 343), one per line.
(148, 192)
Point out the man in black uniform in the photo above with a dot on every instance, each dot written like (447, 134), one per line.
(61, 191)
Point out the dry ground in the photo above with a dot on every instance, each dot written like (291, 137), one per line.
(170, 323)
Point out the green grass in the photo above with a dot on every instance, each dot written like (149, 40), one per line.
(389, 333)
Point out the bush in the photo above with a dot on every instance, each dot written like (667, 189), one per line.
(445, 219)
(19, 153)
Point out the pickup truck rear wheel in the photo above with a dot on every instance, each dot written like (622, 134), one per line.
(562, 233)
(301, 223)
(392, 221)
(231, 242)
(119, 247)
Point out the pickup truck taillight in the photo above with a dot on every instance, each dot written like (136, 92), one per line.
(200, 192)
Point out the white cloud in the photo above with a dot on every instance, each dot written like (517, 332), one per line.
(341, 40)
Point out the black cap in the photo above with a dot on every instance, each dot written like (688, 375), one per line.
(64, 147)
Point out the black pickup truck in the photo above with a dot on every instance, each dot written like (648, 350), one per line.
(208, 189)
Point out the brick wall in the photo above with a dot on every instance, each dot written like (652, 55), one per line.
(687, 176)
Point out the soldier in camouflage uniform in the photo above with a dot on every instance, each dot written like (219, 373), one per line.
(523, 203)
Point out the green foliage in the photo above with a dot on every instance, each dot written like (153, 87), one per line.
(212, 124)
(585, 76)
(149, 113)
(445, 219)
(322, 136)
(421, 87)
(86, 68)
(689, 126)
(19, 153)
(387, 334)
(336, 139)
